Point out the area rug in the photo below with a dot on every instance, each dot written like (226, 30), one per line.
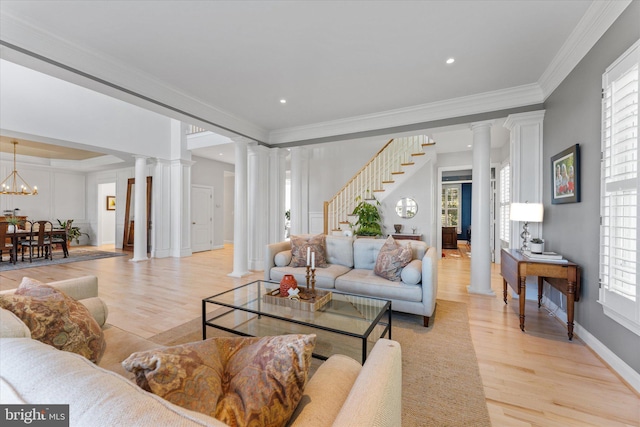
(441, 383)
(75, 255)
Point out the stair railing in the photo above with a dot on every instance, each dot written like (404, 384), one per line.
(370, 179)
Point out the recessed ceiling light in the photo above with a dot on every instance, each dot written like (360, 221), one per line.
(220, 154)
(283, 101)
(450, 61)
(469, 146)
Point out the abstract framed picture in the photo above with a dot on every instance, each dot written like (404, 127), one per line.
(111, 203)
(565, 179)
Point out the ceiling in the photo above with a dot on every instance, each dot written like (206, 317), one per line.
(343, 67)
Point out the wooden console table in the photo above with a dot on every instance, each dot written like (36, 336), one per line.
(406, 236)
(565, 277)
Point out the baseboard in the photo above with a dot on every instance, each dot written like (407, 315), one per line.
(218, 247)
(628, 374)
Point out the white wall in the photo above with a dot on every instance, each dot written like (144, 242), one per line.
(211, 173)
(106, 219)
(42, 106)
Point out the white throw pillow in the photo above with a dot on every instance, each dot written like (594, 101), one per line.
(412, 272)
(282, 259)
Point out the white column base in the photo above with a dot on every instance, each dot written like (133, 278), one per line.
(486, 292)
(139, 259)
(239, 274)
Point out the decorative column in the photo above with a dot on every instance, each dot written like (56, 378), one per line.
(140, 210)
(258, 176)
(299, 190)
(240, 259)
(525, 152)
(481, 210)
(180, 185)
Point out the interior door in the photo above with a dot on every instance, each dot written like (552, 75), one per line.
(201, 218)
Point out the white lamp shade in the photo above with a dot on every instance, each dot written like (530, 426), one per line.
(526, 212)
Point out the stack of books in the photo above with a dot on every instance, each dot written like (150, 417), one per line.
(544, 256)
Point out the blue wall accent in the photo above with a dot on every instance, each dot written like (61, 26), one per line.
(466, 210)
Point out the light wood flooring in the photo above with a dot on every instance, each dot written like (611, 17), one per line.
(537, 378)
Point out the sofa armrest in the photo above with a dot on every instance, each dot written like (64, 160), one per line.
(11, 326)
(376, 396)
(270, 254)
(78, 288)
(429, 280)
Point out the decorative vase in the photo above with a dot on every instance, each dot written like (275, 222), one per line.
(11, 228)
(537, 248)
(398, 227)
(287, 282)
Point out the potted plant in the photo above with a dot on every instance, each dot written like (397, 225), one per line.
(537, 245)
(14, 222)
(368, 217)
(73, 233)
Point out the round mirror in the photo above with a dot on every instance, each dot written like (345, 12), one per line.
(406, 208)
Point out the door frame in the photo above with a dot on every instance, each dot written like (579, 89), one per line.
(211, 208)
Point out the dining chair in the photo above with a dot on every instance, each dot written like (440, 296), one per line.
(61, 239)
(40, 238)
(6, 242)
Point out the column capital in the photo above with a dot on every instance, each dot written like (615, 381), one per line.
(531, 117)
(480, 125)
(139, 156)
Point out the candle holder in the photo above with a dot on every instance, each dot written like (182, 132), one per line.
(313, 281)
(307, 276)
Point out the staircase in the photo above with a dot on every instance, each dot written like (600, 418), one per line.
(391, 166)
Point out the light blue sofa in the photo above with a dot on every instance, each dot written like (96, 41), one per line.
(351, 262)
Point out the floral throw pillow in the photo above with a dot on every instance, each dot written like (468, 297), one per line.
(240, 381)
(317, 244)
(56, 319)
(392, 258)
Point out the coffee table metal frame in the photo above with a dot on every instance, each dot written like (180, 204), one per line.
(277, 312)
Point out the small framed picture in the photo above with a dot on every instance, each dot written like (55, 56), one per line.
(111, 203)
(565, 180)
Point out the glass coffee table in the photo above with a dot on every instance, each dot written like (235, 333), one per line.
(346, 324)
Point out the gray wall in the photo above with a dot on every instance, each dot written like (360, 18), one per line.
(212, 173)
(573, 117)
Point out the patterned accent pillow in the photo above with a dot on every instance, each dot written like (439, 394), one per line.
(392, 258)
(238, 380)
(299, 245)
(56, 319)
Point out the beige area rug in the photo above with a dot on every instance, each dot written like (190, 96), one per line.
(441, 380)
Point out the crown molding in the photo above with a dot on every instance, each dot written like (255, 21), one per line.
(595, 22)
(45, 52)
(456, 107)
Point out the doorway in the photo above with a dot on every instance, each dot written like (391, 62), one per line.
(201, 218)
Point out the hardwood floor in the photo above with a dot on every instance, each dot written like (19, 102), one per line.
(537, 378)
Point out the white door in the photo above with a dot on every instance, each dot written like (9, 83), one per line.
(201, 218)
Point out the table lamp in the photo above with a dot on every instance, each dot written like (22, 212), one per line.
(526, 212)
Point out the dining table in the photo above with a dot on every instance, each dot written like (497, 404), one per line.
(20, 234)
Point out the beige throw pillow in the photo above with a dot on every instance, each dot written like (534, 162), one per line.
(391, 260)
(240, 381)
(56, 319)
(299, 245)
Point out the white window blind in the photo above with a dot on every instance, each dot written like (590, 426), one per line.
(619, 191)
(505, 201)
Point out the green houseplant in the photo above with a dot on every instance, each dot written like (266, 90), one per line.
(14, 222)
(73, 233)
(369, 218)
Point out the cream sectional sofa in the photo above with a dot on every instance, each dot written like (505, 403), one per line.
(340, 393)
(351, 262)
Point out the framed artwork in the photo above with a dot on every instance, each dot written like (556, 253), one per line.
(565, 180)
(111, 203)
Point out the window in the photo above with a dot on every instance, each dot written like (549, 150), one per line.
(619, 191)
(505, 201)
(451, 194)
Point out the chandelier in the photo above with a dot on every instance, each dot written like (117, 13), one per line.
(14, 184)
